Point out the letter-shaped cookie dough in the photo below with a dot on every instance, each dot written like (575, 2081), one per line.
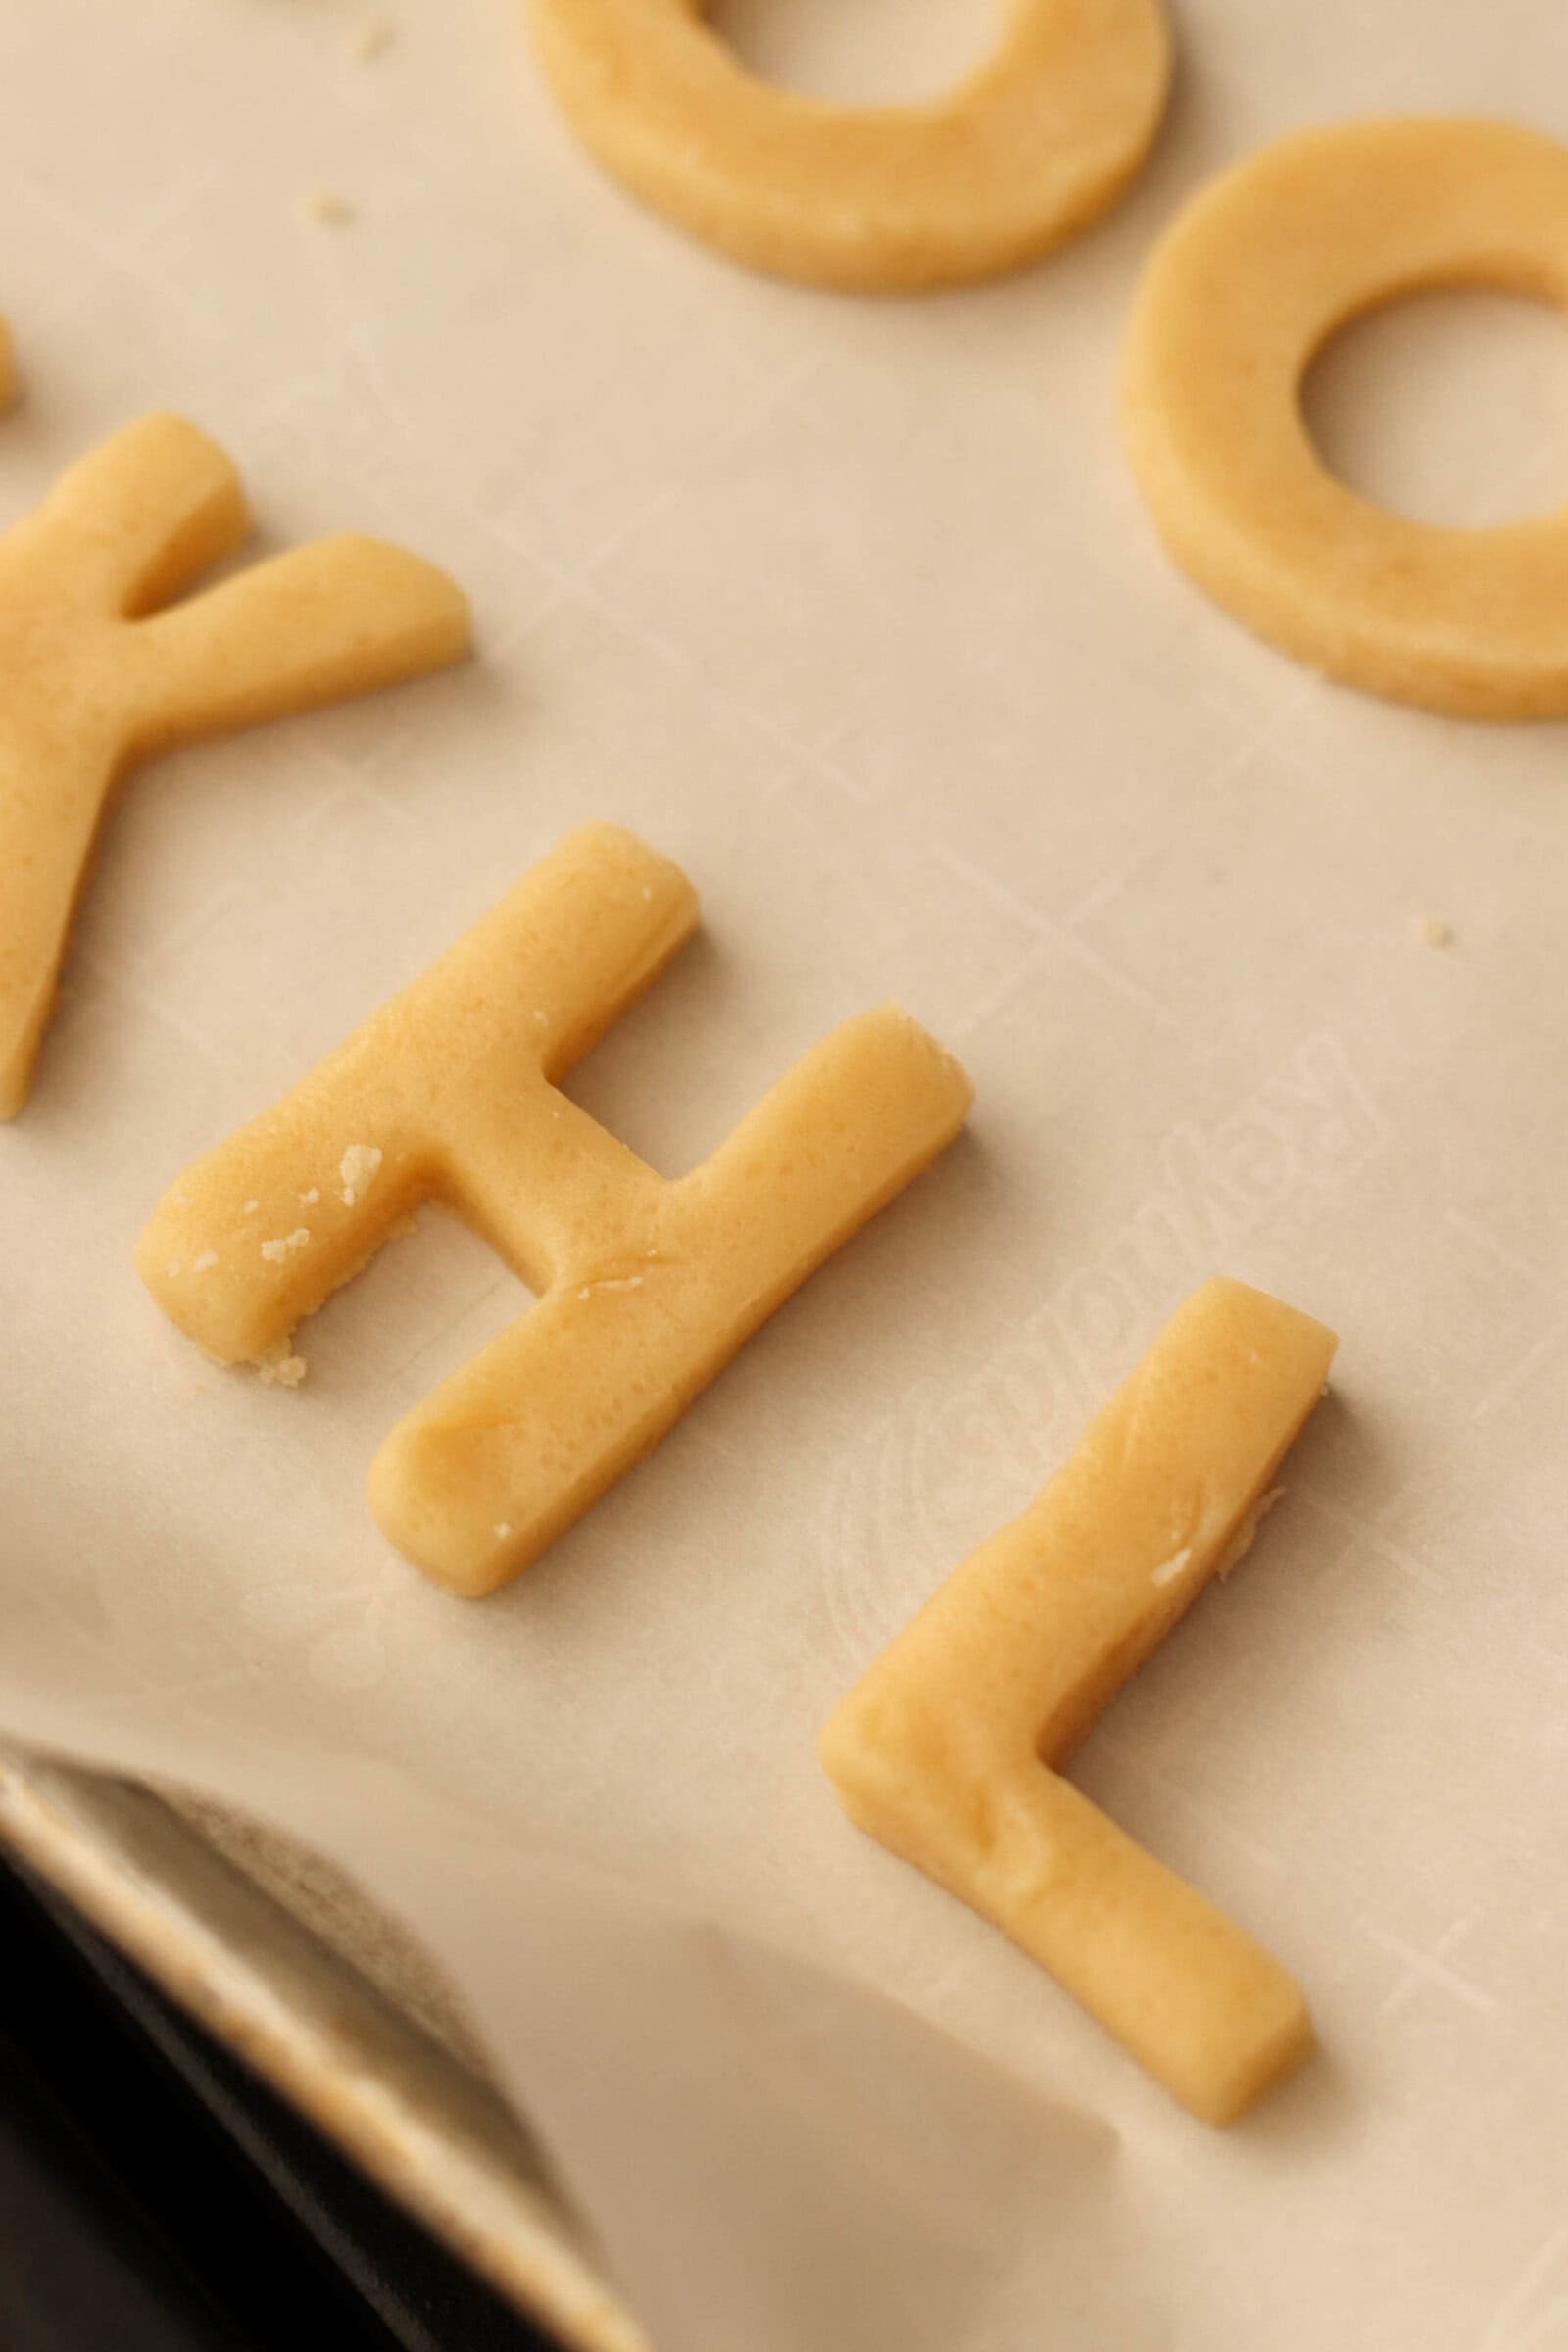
(946, 1751)
(648, 1287)
(93, 675)
(1026, 151)
(1239, 297)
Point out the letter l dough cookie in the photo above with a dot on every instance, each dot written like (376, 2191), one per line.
(946, 1751)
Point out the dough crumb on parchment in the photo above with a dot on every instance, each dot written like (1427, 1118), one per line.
(280, 1368)
(371, 38)
(327, 209)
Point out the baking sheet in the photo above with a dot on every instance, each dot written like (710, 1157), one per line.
(283, 1959)
(849, 607)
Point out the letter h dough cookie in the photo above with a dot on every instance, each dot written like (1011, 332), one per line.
(647, 1287)
(94, 675)
(947, 1751)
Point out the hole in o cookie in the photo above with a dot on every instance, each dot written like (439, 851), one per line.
(1447, 408)
(859, 51)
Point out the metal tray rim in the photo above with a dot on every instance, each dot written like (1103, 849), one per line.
(428, 2129)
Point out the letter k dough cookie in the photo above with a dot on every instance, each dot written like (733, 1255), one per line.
(647, 1287)
(93, 675)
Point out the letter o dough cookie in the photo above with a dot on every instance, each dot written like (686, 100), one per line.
(1240, 294)
(1027, 150)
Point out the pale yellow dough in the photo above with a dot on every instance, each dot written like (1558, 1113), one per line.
(1027, 150)
(648, 1287)
(1239, 295)
(96, 677)
(946, 1751)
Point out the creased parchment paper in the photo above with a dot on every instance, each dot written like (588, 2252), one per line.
(849, 607)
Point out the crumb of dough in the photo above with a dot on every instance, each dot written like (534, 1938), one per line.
(204, 1263)
(280, 1368)
(327, 209)
(1433, 931)
(361, 1161)
(371, 38)
(1242, 1541)
(274, 1252)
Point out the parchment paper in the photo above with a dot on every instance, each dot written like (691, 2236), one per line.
(849, 607)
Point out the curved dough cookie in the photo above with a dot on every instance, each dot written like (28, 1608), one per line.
(1240, 294)
(946, 1751)
(93, 675)
(647, 1287)
(1028, 149)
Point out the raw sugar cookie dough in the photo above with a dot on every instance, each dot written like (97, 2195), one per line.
(101, 668)
(1027, 150)
(1242, 293)
(647, 1286)
(946, 1750)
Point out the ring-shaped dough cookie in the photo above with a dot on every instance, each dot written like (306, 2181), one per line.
(1028, 149)
(1239, 295)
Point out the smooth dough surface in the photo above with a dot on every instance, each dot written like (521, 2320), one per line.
(1239, 297)
(648, 1286)
(95, 677)
(946, 1751)
(1025, 151)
